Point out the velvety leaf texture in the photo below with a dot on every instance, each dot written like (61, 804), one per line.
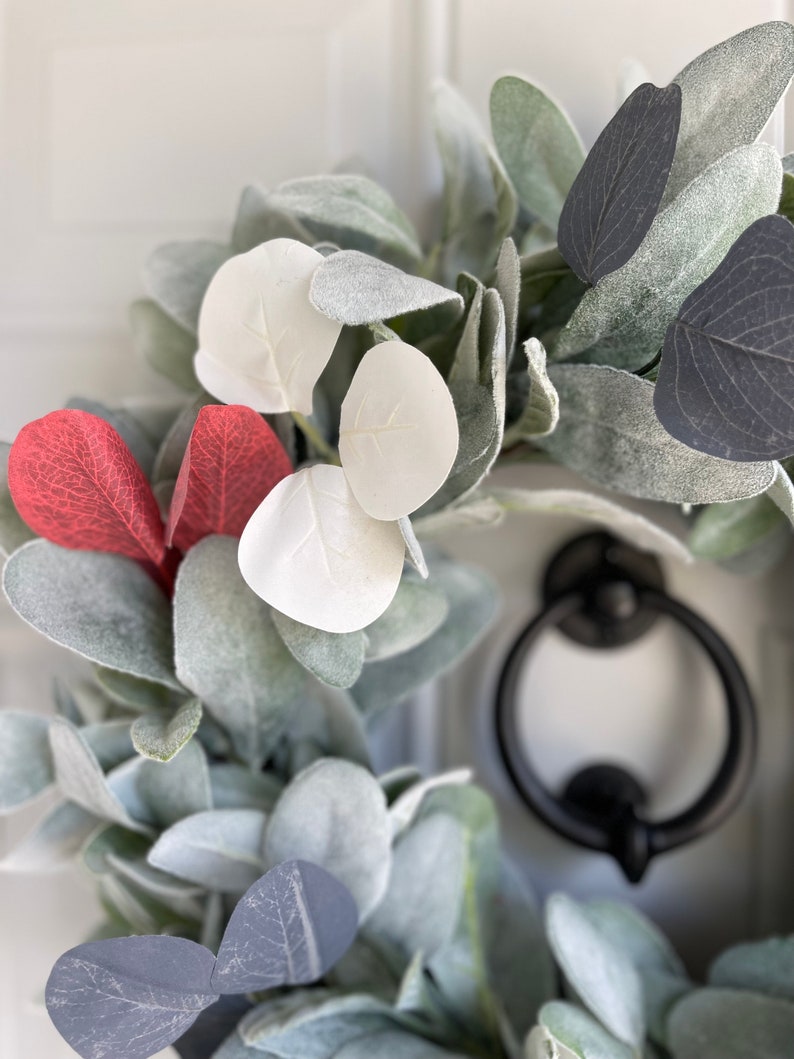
(289, 928)
(726, 381)
(75, 482)
(616, 195)
(128, 997)
(233, 460)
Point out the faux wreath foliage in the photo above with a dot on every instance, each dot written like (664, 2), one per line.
(348, 398)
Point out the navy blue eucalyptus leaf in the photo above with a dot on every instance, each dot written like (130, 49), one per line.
(289, 928)
(616, 195)
(726, 379)
(128, 998)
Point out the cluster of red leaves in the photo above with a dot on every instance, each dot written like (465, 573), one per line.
(76, 483)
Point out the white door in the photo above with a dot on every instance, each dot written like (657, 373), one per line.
(126, 123)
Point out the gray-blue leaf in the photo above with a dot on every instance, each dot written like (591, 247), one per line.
(129, 997)
(289, 928)
(616, 195)
(25, 759)
(726, 381)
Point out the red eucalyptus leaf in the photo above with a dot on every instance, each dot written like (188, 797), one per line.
(233, 460)
(75, 482)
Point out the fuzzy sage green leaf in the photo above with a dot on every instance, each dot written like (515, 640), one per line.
(608, 431)
(160, 735)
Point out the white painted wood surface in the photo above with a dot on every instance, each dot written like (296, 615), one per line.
(129, 122)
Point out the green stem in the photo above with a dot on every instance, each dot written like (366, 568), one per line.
(315, 438)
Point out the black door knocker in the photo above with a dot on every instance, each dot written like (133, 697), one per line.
(603, 593)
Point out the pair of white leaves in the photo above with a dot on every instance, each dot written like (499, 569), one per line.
(325, 546)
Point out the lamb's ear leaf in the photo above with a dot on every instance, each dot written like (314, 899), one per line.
(164, 343)
(177, 276)
(13, 531)
(535, 392)
(579, 1033)
(335, 658)
(616, 195)
(219, 849)
(179, 787)
(129, 996)
(728, 95)
(355, 288)
(421, 907)
(539, 146)
(761, 966)
(333, 813)
(479, 201)
(472, 600)
(417, 611)
(730, 1024)
(602, 975)
(26, 767)
(726, 380)
(228, 651)
(54, 841)
(161, 736)
(103, 607)
(352, 211)
(257, 221)
(608, 431)
(289, 928)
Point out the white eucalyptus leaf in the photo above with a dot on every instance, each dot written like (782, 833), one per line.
(161, 736)
(398, 433)
(26, 767)
(728, 95)
(479, 201)
(80, 777)
(622, 321)
(538, 144)
(53, 842)
(603, 977)
(472, 599)
(730, 1024)
(178, 787)
(417, 611)
(421, 907)
(334, 658)
(765, 967)
(631, 527)
(351, 211)
(542, 409)
(177, 275)
(609, 432)
(228, 651)
(101, 606)
(313, 553)
(334, 814)
(355, 288)
(413, 549)
(261, 341)
(220, 849)
(580, 1034)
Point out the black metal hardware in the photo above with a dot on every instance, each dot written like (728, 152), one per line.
(603, 593)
